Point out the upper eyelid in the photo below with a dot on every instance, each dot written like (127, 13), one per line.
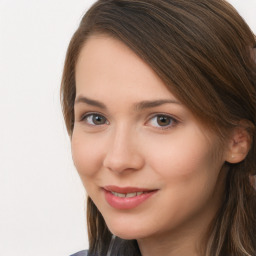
(163, 114)
(150, 116)
(82, 116)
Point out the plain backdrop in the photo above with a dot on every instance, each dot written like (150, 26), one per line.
(42, 201)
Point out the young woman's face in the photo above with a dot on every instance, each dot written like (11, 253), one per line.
(148, 165)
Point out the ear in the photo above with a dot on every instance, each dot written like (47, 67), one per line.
(239, 143)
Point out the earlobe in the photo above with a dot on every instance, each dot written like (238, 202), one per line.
(238, 145)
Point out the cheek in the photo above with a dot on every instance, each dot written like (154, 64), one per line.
(189, 161)
(180, 157)
(190, 173)
(86, 156)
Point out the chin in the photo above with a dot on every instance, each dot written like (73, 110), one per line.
(127, 235)
(128, 230)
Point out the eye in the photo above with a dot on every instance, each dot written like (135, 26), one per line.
(95, 119)
(162, 121)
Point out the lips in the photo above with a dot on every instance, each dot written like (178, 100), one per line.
(126, 197)
(126, 190)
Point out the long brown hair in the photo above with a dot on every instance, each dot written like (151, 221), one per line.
(201, 49)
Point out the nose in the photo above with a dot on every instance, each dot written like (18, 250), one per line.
(124, 152)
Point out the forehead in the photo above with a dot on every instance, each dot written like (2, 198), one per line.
(105, 62)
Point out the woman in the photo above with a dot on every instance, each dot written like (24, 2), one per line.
(159, 101)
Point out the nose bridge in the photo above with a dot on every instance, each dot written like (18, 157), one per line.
(122, 153)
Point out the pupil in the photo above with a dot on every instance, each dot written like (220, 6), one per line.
(163, 120)
(98, 120)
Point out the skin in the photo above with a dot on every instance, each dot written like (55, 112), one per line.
(129, 146)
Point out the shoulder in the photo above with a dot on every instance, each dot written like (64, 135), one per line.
(81, 253)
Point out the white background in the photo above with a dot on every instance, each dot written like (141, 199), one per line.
(41, 197)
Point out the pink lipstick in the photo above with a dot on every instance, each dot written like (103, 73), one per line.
(126, 197)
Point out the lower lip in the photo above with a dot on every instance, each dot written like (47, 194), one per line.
(125, 203)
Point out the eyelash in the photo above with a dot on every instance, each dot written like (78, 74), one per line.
(172, 121)
(88, 115)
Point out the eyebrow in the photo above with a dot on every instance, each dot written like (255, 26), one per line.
(154, 103)
(82, 99)
(138, 106)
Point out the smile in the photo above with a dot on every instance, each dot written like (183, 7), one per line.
(126, 198)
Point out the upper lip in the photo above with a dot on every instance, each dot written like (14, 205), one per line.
(126, 190)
